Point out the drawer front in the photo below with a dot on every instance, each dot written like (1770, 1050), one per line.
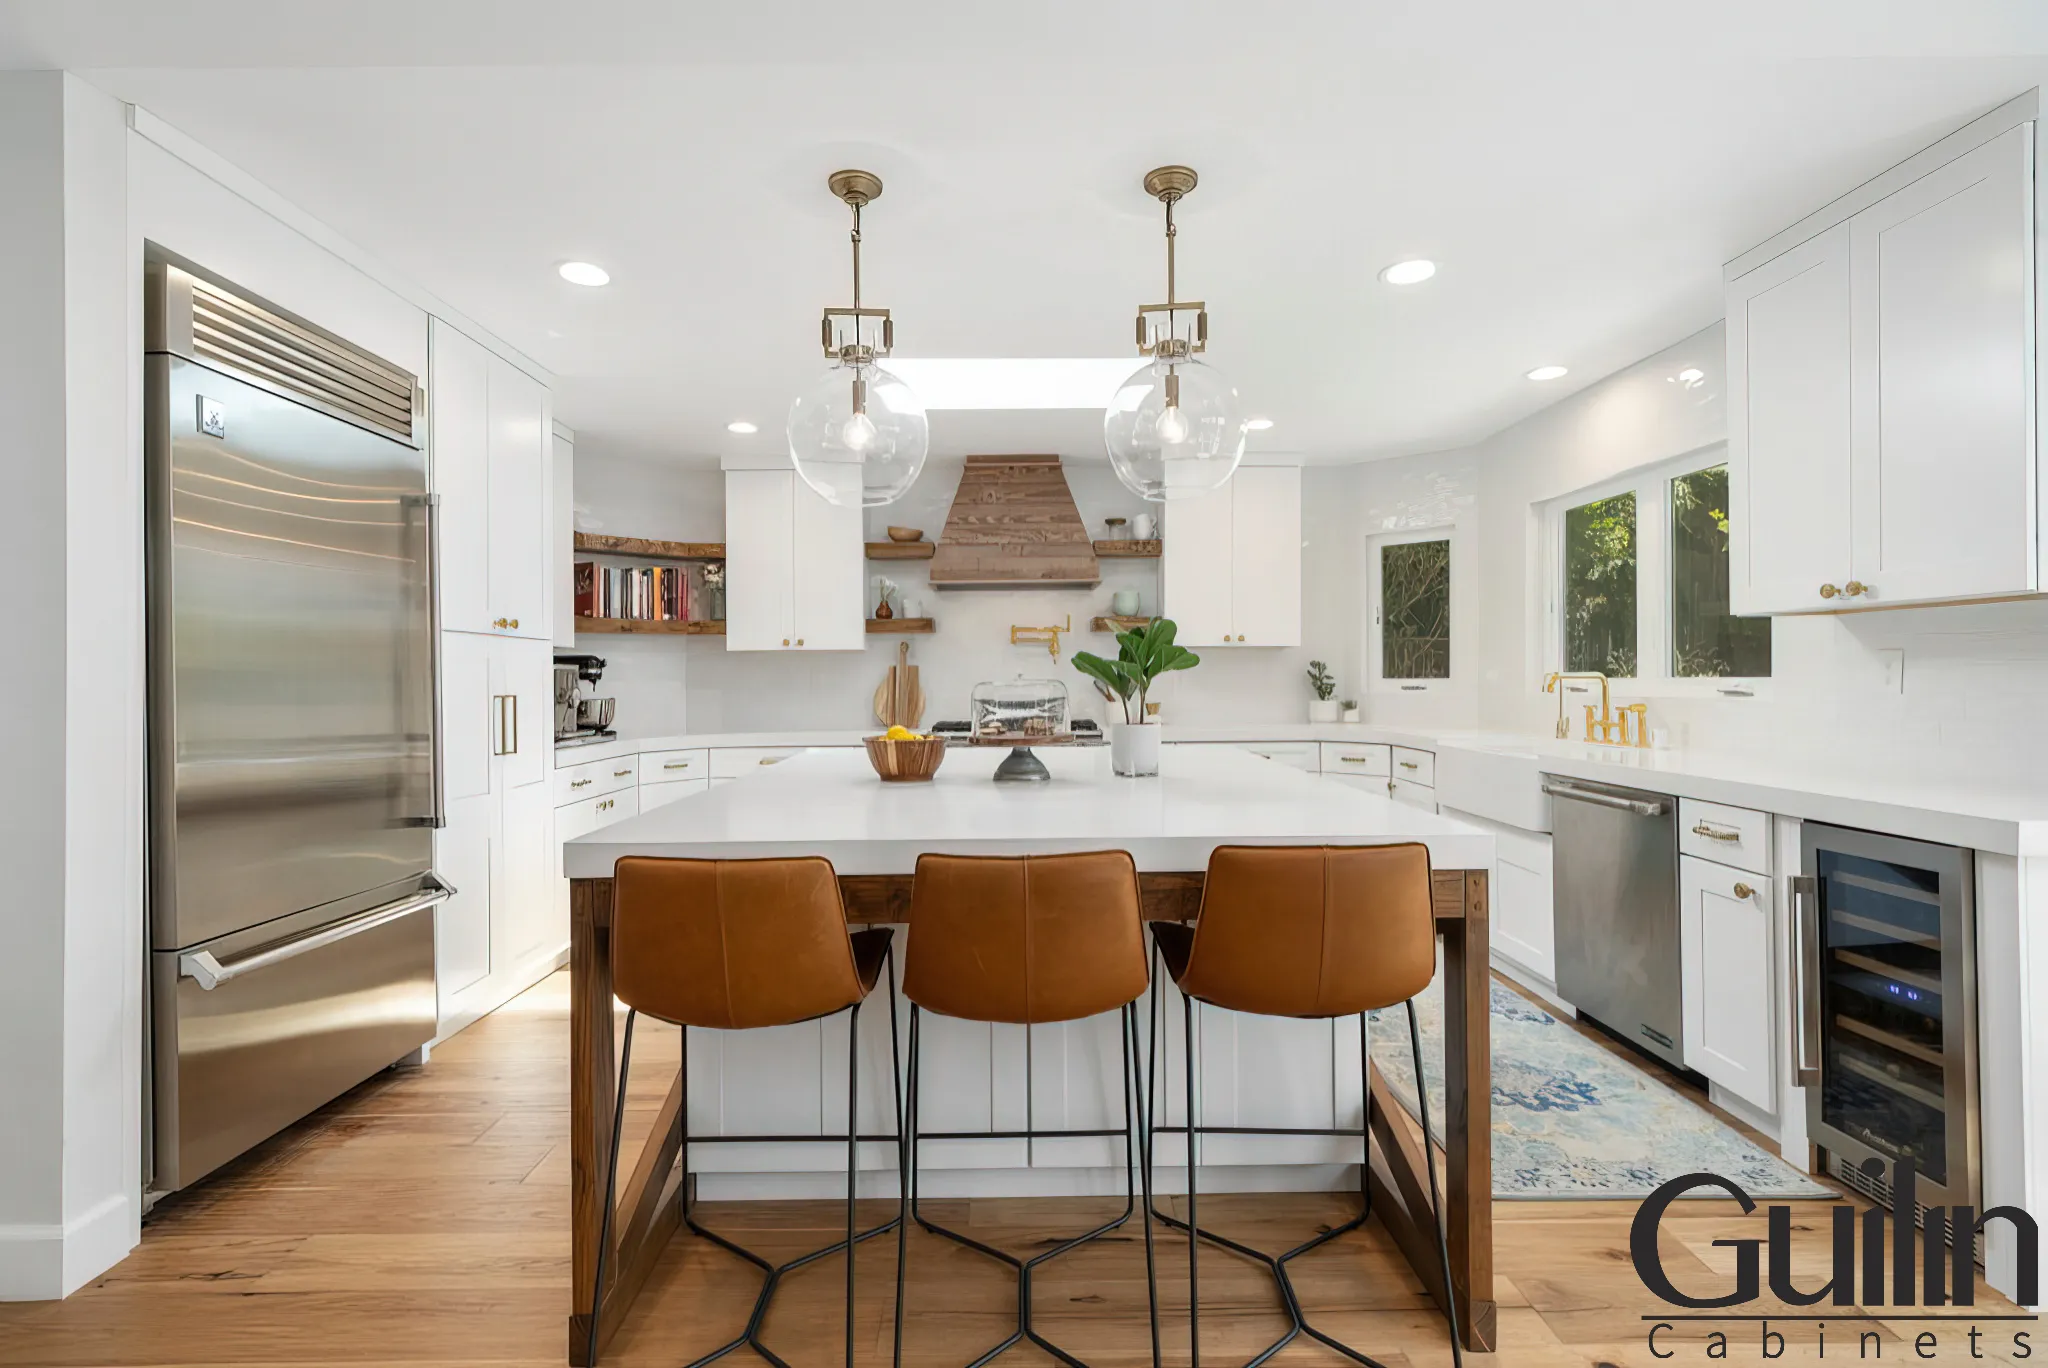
(1301, 755)
(665, 767)
(740, 762)
(1740, 837)
(616, 807)
(1416, 766)
(1353, 757)
(595, 778)
(1413, 794)
(653, 796)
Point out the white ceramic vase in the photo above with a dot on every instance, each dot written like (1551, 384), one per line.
(1351, 714)
(1134, 747)
(1324, 710)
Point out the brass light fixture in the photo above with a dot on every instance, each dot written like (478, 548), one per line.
(1173, 430)
(858, 436)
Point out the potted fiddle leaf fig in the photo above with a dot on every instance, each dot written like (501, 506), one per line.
(1143, 654)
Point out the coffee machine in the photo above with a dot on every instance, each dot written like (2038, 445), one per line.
(581, 719)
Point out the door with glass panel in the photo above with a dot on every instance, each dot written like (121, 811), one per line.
(1886, 1038)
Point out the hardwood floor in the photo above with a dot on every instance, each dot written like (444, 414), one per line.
(423, 1220)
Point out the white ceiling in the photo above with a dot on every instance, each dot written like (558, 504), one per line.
(1579, 171)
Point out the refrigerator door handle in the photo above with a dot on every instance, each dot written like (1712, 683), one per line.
(1806, 1023)
(210, 973)
(437, 813)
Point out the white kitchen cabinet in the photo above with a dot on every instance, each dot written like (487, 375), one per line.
(1411, 794)
(1523, 927)
(562, 537)
(1942, 278)
(660, 795)
(1724, 927)
(491, 463)
(795, 567)
(1882, 390)
(462, 924)
(1231, 570)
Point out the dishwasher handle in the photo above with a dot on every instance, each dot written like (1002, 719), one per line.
(210, 973)
(1641, 807)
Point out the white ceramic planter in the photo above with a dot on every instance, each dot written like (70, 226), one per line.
(1134, 747)
(1324, 710)
(1351, 714)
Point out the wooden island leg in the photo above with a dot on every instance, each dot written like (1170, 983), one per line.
(592, 1089)
(1468, 1093)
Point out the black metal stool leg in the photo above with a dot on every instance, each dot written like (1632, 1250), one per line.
(906, 1180)
(852, 1158)
(1187, 1012)
(611, 1186)
(1138, 1089)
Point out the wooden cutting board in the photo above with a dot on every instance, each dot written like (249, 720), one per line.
(899, 701)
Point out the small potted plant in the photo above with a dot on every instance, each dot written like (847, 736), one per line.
(1350, 707)
(1323, 707)
(1143, 654)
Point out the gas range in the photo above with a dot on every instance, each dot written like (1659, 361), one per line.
(1087, 732)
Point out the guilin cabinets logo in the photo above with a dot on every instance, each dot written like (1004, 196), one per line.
(1888, 1270)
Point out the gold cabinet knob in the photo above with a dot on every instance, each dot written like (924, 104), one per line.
(1743, 890)
(799, 641)
(501, 623)
(515, 624)
(1855, 588)
(1240, 636)
(1828, 591)
(785, 641)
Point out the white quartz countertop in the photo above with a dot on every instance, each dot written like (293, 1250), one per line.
(830, 803)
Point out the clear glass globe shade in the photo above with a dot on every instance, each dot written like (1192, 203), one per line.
(1182, 451)
(858, 459)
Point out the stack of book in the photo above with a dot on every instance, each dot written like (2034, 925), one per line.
(659, 593)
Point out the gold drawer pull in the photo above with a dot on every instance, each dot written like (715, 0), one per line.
(677, 764)
(620, 774)
(579, 783)
(1743, 890)
(1356, 759)
(1714, 833)
(770, 759)
(605, 806)
(1409, 764)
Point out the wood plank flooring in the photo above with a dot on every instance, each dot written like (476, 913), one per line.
(423, 1220)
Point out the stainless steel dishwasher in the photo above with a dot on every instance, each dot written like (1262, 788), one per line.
(1614, 885)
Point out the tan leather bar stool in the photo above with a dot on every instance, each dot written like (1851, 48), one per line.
(738, 945)
(1029, 941)
(1305, 931)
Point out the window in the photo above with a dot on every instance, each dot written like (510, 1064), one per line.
(1706, 639)
(1408, 646)
(1639, 583)
(1600, 586)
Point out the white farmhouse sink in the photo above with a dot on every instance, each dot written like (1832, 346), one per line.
(1493, 777)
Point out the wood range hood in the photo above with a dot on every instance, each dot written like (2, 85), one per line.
(1013, 525)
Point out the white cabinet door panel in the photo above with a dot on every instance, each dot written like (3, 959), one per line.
(1523, 927)
(1077, 1076)
(462, 925)
(468, 715)
(661, 795)
(1790, 428)
(759, 545)
(521, 528)
(523, 673)
(828, 574)
(457, 405)
(1195, 569)
(1725, 947)
(1944, 278)
(526, 914)
(1265, 587)
(1411, 794)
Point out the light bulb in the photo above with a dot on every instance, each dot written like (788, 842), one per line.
(858, 433)
(1173, 428)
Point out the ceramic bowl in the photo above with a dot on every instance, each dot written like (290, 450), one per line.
(906, 534)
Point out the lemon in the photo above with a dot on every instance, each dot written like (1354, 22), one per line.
(899, 732)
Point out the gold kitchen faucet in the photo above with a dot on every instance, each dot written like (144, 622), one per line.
(1049, 636)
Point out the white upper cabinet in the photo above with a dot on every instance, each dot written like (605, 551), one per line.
(491, 459)
(1942, 273)
(1882, 384)
(1789, 458)
(1232, 565)
(794, 567)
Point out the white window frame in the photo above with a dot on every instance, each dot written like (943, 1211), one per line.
(1652, 487)
(1375, 681)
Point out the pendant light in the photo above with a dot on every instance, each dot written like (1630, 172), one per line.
(1173, 429)
(858, 436)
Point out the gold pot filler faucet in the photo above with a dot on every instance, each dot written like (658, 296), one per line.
(1612, 727)
(1049, 637)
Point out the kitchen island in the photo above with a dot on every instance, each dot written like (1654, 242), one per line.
(1252, 1070)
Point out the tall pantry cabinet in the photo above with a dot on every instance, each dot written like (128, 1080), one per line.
(491, 433)
(1882, 383)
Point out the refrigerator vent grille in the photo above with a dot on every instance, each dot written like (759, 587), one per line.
(284, 354)
(1878, 1189)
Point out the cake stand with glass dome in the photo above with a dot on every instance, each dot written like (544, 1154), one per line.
(1020, 714)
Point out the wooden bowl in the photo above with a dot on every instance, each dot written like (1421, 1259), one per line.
(906, 534)
(905, 762)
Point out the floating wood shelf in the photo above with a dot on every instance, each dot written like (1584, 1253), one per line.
(1119, 624)
(899, 625)
(895, 550)
(1149, 549)
(649, 549)
(635, 626)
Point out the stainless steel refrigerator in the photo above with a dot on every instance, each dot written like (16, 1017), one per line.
(294, 758)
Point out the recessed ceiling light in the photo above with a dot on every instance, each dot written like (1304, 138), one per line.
(584, 273)
(1409, 272)
(1258, 424)
(1548, 373)
(742, 427)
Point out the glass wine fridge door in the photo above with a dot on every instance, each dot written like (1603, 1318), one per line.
(1888, 1032)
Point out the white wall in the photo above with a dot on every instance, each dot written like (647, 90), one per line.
(677, 683)
(70, 536)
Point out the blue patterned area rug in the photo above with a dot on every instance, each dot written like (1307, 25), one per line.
(1572, 1120)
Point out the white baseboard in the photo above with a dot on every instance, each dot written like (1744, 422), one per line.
(1530, 979)
(49, 1262)
(480, 1000)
